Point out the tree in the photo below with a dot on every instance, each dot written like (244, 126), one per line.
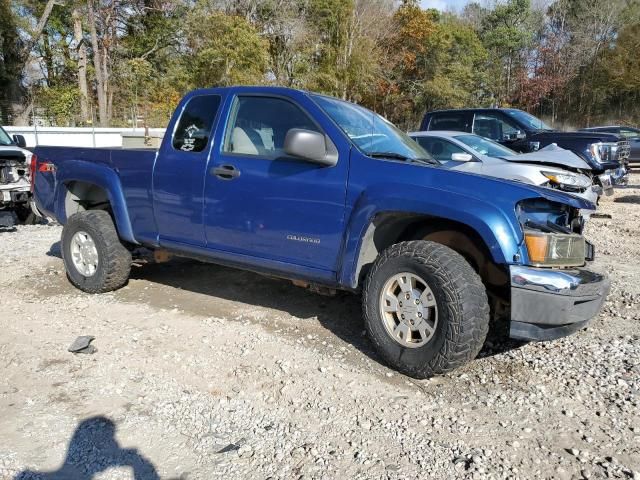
(224, 50)
(506, 34)
(10, 61)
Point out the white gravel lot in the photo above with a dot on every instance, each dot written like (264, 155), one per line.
(204, 372)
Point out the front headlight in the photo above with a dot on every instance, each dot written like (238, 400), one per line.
(603, 151)
(552, 233)
(567, 180)
(555, 249)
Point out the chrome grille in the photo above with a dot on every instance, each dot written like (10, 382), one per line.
(623, 151)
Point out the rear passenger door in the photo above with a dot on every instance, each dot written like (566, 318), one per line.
(180, 171)
(262, 203)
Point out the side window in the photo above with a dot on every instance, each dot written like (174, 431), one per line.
(495, 127)
(195, 124)
(438, 148)
(259, 125)
(456, 121)
(627, 133)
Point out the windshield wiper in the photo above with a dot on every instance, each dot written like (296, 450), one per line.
(399, 156)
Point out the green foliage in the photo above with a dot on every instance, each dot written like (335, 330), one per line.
(60, 104)
(574, 61)
(225, 50)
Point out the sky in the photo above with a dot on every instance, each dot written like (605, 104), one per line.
(444, 4)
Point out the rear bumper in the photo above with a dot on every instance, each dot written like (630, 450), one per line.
(550, 303)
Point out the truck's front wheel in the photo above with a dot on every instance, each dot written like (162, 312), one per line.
(95, 259)
(425, 308)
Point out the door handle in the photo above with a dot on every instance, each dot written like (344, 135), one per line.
(225, 172)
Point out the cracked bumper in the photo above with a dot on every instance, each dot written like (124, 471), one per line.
(552, 303)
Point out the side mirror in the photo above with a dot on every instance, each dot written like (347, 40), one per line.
(311, 146)
(461, 157)
(20, 141)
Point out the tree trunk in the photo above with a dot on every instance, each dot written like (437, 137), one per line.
(28, 46)
(82, 66)
(97, 63)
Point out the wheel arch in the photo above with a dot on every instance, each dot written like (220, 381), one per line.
(85, 186)
(389, 228)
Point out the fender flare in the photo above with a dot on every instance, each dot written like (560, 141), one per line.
(491, 223)
(101, 176)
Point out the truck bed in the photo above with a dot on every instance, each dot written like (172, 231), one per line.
(133, 169)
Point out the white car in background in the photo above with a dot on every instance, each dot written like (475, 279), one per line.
(471, 153)
(15, 173)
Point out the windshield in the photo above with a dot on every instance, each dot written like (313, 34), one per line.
(373, 135)
(485, 146)
(5, 139)
(528, 120)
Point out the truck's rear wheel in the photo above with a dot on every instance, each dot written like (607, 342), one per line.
(95, 259)
(425, 308)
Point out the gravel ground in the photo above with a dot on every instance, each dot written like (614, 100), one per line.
(203, 372)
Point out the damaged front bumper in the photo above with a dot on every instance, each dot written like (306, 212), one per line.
(551, 303)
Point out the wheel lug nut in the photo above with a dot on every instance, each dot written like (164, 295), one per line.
(402, 316)
(417, 301)
(407, 296)
(400, 303)
(419, 315)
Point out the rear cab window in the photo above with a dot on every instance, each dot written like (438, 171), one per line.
(193, 130)
(454, 121)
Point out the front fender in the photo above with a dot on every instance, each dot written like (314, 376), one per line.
(102, 176)
(498, 228)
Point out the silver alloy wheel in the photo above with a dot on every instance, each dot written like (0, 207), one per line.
(408, 309)
(84, 254)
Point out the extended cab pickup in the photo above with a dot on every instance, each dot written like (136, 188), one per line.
(605, 153)
(332, 196)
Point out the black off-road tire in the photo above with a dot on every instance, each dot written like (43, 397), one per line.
(114, 260)
(462, 304)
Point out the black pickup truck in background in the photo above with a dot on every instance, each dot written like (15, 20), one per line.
(605, 153)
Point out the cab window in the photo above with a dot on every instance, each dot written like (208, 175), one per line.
(438, 148)
(494, 127)
(454, 121)
(258, 126)
(194, 127)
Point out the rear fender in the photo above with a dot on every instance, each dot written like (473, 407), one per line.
(101, 176)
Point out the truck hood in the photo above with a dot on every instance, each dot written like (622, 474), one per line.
(489, 188)
(586, 136)
(551, 155)
(12, 153)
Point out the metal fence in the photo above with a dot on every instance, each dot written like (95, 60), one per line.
(82, 136)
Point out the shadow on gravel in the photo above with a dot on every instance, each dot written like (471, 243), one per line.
(628, 199)
(55, 251)
(92, 450)
(341, 314)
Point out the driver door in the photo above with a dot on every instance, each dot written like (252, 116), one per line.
(262, 203)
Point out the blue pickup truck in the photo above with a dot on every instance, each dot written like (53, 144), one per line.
(331, 196)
